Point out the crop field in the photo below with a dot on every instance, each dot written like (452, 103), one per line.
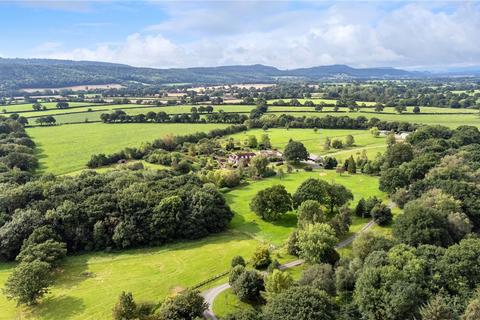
(314, 141)
(89, 284)
(277, 232)
(68, 148)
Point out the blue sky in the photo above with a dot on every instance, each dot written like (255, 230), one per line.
(286, 34)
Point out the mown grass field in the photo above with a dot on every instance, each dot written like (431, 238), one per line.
(68, 148)
(89, 284)
(314, 141)
(277, 232)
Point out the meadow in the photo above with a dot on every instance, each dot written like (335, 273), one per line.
(449, 120)
(319, 100)
(89, 284)
(19, 108)
(67, 148)
(428, 115)
(86, 115)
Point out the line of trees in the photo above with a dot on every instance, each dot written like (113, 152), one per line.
(47, 120)
(120, 116)
(17, 156)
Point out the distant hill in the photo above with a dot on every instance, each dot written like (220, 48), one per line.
(49, 73)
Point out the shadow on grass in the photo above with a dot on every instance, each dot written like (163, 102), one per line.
(40, 154)
(59, 308)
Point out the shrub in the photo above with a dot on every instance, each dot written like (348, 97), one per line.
(238, 261)
(261, 257)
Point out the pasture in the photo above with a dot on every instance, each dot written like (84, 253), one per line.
(449, 120)
(84, 115)
(19, 108)
(68, 148)
(319, 100)
(89, 284)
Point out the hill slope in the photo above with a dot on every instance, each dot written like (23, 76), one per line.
(28, 73)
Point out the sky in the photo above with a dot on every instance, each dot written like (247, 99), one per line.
(424, 35)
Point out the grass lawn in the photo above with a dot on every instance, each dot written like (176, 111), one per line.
(227, 303)
(314, 141)
(66, 148)
(277, 232)
(89, 284)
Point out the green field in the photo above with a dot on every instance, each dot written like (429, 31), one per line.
(428, 115)
(318, 100)
(277, 232)
(314, 141)
(49, 105)
(89, 284)
(67, 148)
(449, 120)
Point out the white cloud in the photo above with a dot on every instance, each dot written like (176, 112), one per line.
(247, 33)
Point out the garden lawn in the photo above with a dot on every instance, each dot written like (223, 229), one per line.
(66, 148)
(278, 231)
(314, 141)
(89, 285)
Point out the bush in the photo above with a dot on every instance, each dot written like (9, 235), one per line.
(238, 261)
(382, 214)
(292, 244)
(248, 286)
(187, 305)
(274, 265)
(235, 273)
(337, 144)
(302, 303)
(330, 163)
(261, 257)
(125, 308)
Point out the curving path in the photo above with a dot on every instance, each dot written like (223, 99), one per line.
(210, 294)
